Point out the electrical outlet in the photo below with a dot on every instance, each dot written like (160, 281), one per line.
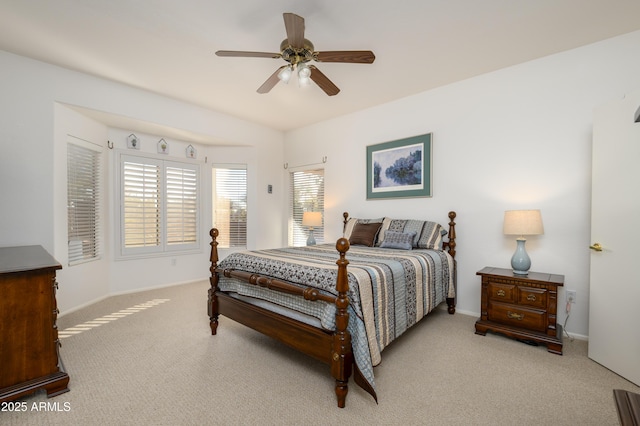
(571, 296)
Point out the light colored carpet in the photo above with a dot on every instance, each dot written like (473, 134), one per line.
(159, 365)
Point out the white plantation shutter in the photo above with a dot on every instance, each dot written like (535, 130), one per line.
(306, 194)
(182, 205)
(83, 203)
(141, 202)
(230, 204)
(160, 204)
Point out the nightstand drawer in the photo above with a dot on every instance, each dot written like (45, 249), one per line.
(502, 292)
(517, 316)
(535, 297)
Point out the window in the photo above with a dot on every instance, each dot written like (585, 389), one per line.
(159, 205)
(83, 202)
(141, 202)
(306, 195)
(230, 204)
(182, 205)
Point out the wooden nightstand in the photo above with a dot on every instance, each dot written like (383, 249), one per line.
(523, 307)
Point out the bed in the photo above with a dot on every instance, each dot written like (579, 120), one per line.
(341, 311)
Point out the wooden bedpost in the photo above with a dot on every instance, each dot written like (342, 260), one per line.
(345, 219)
(452, 234)
(451, 301)
(341, 355)
(212, 301)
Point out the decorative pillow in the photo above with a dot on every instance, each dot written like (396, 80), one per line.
(397, 225)
(351, 223)
(431, 236)
(364, 234)
(398, 240)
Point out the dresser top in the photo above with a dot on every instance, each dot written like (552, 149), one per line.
(26, 258)
(531, 276)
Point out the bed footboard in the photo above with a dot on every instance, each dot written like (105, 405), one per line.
(332, 348)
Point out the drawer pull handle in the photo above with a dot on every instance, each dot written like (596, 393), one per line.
(500, 293)
(513, 315)
(531, 297)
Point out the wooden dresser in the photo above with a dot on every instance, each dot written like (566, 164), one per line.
(29, 345)
(523, 307)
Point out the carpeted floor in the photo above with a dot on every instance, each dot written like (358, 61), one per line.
(148, 359)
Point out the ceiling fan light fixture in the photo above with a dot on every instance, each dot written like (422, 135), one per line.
(304, 75)
(285, 74)
(304, 72)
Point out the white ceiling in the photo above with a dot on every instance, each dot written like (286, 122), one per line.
(168, 46)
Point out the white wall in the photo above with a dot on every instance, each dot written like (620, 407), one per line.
(515, 138)
(86, 282)
(34, 122)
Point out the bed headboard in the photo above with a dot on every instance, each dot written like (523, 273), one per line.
(449, 244)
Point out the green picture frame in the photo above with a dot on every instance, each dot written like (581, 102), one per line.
(400, 168)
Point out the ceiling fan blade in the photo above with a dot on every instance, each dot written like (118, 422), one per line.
(351, 56)
(323, 82)
(235, 53)
(270, 82)
(294, 25)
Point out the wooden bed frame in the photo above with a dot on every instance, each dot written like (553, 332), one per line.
(332, 348)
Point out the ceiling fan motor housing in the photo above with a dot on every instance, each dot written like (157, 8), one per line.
(296, 55)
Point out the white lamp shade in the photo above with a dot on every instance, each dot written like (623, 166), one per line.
(285, 74)
(312, 219)
(304, 71)
(523, 222)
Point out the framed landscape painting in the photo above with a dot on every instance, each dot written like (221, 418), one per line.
(400, 168)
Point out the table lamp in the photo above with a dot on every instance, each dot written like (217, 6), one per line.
(311, 219)
(521, 223)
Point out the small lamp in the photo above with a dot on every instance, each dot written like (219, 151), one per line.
(311, 219)
(521, 223)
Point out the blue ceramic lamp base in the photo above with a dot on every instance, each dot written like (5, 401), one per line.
(311, 240)
(520, 261)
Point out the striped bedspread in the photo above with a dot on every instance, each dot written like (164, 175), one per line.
(389, 290)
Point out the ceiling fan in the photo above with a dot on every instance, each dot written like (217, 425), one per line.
(298, 51)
